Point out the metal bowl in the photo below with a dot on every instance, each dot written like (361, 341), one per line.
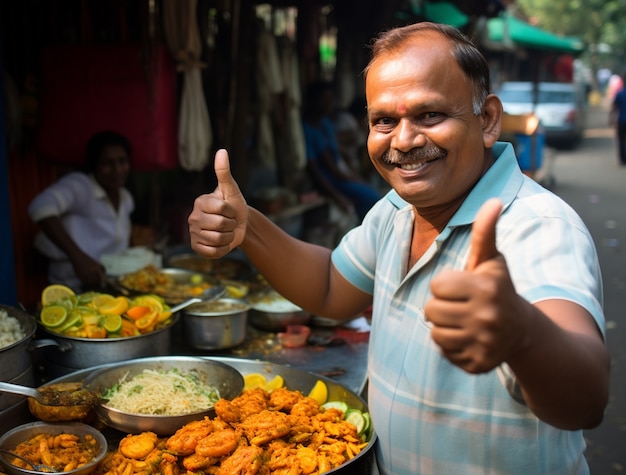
(228, 381)
(16, 358)
(27, 431)
(174, 294)
(273, 312)
(216, 325)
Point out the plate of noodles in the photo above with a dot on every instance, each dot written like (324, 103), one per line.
(161, 394)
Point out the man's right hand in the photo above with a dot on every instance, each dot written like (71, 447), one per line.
(218, 221)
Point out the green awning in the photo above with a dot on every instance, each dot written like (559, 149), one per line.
(442, 12)
(510, 29)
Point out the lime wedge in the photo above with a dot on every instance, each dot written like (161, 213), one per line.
(73, 320)
(53, 316)
(112, 323)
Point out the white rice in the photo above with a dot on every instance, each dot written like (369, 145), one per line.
(10, 330)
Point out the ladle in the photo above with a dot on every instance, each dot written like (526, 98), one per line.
(75, 397)
(212, 293)
(37, 467)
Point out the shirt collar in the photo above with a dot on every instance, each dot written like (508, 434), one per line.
(503, 180)
(96, 189)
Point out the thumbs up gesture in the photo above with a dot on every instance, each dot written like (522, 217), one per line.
(218, 221)
(476, 315)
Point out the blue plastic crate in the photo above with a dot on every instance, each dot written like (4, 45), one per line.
(529, 150)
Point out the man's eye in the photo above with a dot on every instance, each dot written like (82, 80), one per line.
(383, 121)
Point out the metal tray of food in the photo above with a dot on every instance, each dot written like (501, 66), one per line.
(172, 284)
(294, 379)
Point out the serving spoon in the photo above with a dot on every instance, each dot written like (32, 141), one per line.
(54, 397)
(212, 293)
(37, 467)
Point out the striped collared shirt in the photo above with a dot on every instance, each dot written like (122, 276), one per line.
(432, 417)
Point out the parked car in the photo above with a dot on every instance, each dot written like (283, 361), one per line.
(560, 107)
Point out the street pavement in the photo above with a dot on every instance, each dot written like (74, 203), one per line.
(591, 181)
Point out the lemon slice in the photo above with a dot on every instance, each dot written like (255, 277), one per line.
(116, 306)
(254, 380)
(112, 323)
(55, 293)
(146, 323)
(237, 291)
(274, 383)
(319, 392)
(152, 301)
(99, 300)
(53, 316)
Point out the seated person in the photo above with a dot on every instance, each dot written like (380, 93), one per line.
(86, 214)
(326, 165)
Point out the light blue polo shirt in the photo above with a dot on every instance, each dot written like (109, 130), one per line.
(432, 417)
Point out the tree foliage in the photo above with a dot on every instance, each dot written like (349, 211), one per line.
(595, 22)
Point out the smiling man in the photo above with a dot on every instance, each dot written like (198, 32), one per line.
(486, 352)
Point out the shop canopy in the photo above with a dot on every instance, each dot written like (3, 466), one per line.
(441, 12)
(444, 12)
(508, 29)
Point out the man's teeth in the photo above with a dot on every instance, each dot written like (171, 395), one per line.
(411, 166)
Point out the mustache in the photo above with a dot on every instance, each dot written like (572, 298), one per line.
(395, 157)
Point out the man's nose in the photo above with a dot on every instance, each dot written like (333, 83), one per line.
(407, 136)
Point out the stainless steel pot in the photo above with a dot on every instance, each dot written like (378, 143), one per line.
(16, 359)
(73, 353)
(216, 325)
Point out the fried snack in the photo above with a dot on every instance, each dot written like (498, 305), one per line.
(257, 433)
(63, 452)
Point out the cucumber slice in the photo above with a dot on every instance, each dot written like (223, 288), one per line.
(368, 423)
(342, 406)
(356, 417)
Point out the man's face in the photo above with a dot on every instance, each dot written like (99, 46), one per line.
(424, 139)
(113, 167)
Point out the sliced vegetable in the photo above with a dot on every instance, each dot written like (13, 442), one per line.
(342, 406)
(356, 418)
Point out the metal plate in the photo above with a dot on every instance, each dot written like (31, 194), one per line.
(175, 293)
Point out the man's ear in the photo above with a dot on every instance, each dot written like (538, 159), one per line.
(492, 120)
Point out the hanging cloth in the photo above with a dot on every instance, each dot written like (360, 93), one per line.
(269, 81)
(195, 136)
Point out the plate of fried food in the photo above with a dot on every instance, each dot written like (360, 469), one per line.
(172, 284)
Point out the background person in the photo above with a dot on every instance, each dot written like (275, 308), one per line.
(86, 214)
(617, 119)
(329, 170)
(486, 350)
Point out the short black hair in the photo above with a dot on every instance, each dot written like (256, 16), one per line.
(100, 140)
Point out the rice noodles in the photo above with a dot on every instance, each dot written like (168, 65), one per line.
(158, 392)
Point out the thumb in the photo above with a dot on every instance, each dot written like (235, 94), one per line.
(483, 243)
(226, 184)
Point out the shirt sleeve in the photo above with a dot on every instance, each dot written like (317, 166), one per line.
(58, 198)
